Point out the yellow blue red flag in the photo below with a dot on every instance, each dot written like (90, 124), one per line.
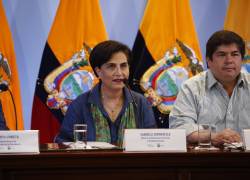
(237, 20)
(64, 71)
(166, 52)
(11, 99)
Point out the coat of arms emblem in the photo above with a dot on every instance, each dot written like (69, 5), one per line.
(69, 80)
(161, 82)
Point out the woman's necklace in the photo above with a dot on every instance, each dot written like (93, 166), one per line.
(112, 106)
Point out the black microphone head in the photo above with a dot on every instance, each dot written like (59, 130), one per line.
(136, 82)
(3, 87)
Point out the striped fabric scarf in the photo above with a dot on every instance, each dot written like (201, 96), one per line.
(102, 127)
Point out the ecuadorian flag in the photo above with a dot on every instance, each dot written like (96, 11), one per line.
(163, 23)
(237, 20)
(9, 73)
(77, 24)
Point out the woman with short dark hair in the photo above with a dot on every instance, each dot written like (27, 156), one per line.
(108, 108)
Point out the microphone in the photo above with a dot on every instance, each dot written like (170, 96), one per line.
(4, 86)
(125, 81)
(136, 82)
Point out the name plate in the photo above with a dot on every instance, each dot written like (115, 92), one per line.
(19, 141)
(172, 140)
(246, 139)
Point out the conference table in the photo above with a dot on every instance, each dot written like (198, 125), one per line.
(117, 164)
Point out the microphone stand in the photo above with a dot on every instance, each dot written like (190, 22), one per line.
(129, 90)
(125, 81)
(14, 107)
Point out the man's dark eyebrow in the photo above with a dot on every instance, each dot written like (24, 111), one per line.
(236, 51)
(110, 63)
(220, 52)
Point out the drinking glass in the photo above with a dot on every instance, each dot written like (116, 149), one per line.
(204, 135)
(80, 135)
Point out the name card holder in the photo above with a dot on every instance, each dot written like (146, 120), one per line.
(246, 139)
(19, 141)
(170, 140)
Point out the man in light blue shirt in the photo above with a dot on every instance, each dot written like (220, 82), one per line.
(219, 96)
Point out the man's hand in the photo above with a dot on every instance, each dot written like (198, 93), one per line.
(225, 136)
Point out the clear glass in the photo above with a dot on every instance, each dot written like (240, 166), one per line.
(80, 135)
(204, 135)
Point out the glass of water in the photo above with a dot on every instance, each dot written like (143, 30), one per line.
(80, 135)
(204, 135)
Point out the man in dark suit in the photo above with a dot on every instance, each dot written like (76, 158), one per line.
(2, 119)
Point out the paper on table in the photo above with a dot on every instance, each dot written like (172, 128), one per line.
(234, 145)
(101, 145)
(92, 145)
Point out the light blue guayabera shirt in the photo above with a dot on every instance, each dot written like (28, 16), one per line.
(202, 99)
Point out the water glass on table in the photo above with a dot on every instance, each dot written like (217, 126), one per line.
(204, 136)
(80, 136)
(205, 131)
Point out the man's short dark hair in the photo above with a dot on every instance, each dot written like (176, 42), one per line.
(224, 37)
(104, 51)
